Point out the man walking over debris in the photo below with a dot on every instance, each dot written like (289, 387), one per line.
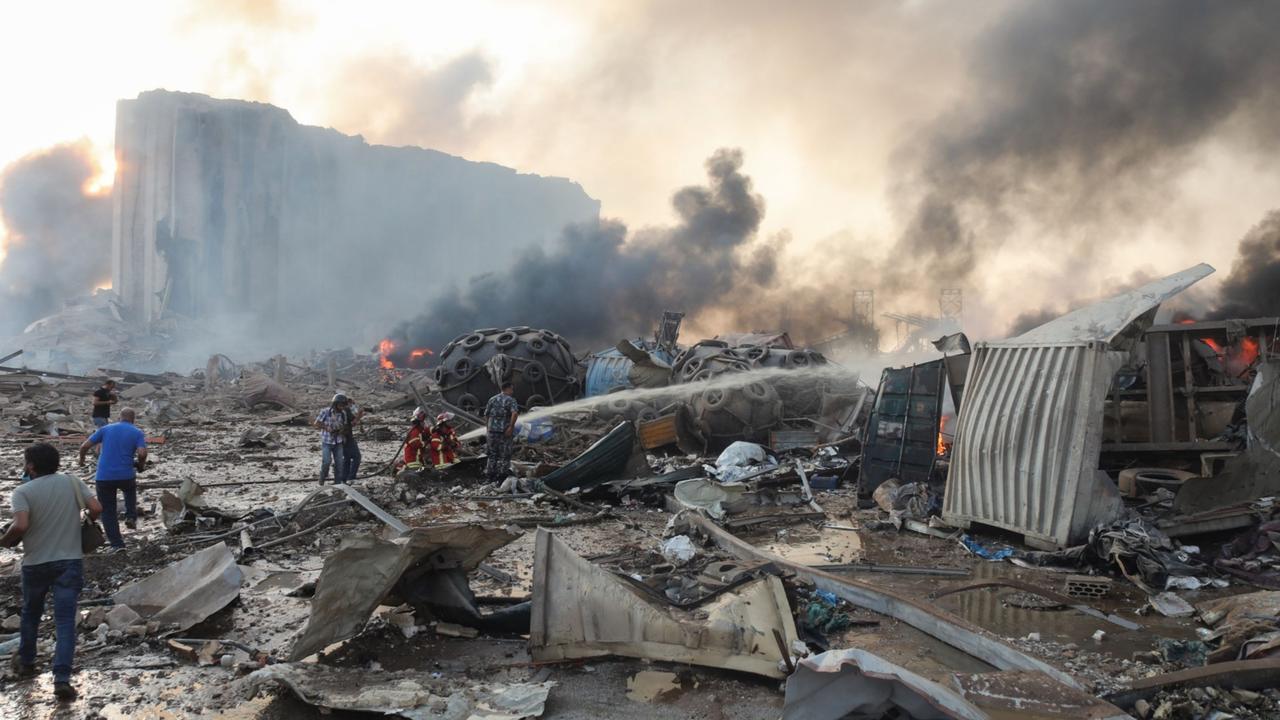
(332, 422)
(500, 424)
(350, 448)
(103, 398)
(46, 520)
(117, 472)
(444, 442)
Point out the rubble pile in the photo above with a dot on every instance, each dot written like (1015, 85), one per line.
(766, 537)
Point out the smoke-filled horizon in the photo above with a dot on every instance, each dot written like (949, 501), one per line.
(600, 283)
(1040, 155)
(59, 233)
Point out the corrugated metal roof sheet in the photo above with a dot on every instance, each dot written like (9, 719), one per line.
(1105, 320)
(1026, 451)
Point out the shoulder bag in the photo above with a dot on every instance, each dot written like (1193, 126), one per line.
(91, 535)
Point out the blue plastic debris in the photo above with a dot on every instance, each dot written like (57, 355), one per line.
(826, 596)
(976, 548)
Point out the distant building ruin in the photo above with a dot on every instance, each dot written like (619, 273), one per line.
(231, 210)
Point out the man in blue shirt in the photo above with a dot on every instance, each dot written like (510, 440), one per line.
(116, 473)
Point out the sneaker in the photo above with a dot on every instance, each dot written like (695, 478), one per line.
(113, 550)
(131, 524)
(64, 692)
(20, 669)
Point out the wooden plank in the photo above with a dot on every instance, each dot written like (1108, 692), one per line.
(1159, 388)
(1168, 447)
(1243, 674)
(1188, 386)
(1210, 325)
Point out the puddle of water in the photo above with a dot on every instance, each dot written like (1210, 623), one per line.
(651, 685)
(830, 547)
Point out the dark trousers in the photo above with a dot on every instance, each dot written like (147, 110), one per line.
(107, 496)
(351, 454)
(64, 578)
(498, 448)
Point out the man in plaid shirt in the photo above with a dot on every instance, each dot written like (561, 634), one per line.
(333, 422)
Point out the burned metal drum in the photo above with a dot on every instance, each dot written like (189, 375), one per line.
(801, 394)
(745, 412)
(538, 362)
(706, 360)
(623, 408)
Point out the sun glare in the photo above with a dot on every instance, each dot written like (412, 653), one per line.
(104, 176)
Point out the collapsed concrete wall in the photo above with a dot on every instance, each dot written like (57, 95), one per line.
(226, 209)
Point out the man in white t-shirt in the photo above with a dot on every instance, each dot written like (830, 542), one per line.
(46, 520)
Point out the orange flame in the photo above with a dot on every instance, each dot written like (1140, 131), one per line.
(420, 352)
(386, 346)
(1249, 350)
(943, 446)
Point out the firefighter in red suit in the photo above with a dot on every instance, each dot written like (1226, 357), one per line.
(444, 442)
(415, 447)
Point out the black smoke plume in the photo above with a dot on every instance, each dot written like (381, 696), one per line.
(1252, 289)
(58, 236)
(1083, 112)
(599, 285)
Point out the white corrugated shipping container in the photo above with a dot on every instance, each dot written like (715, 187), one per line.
(1025, 456)
(1026, 450)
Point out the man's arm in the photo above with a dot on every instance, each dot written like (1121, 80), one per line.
(21, 521)
(511, 426)
(84, 449)
(94, 507)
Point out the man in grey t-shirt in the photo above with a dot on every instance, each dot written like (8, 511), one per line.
(46, 520)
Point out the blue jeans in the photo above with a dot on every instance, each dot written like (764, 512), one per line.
(64, 578)
(351, 450)
(107, 496)
(101, 422)
(334, 455)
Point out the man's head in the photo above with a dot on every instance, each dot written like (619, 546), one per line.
(128, 415)
(41, 459)
(508, 388)
(109, 384)
(340, 400)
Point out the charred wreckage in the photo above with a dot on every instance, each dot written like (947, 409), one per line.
(1077, 521)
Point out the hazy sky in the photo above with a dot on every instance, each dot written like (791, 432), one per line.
(830, 103)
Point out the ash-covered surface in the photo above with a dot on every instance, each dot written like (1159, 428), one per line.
(254, 459)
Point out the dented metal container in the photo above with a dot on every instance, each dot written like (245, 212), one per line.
(1026, 450)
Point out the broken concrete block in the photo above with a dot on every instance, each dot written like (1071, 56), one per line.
(140, 390)
(121, 617)
(94, 617)
(11, 623)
